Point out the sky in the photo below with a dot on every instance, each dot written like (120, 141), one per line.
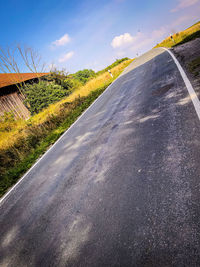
(74, 35)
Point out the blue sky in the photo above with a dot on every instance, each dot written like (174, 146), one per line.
(91, 34)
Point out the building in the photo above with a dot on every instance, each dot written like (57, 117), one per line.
(11, 99)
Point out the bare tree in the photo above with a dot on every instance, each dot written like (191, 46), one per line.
(16, 60)
(31, 59)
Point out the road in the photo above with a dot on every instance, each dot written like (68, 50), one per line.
(121, 187)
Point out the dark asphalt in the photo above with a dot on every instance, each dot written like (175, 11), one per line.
(121, 188)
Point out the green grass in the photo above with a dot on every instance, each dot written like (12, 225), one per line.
(189, 38)
(182, 37)
(11, 176)
(23, 142)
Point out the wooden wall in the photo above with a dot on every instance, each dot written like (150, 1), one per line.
(14, 103)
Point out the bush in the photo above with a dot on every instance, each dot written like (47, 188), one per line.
(70, 84)
(56, 76)
(84, 75)
(40, 95)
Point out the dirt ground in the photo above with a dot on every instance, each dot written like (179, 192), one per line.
(188, 55)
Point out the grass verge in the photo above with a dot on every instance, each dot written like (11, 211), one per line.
(182, 37)
(12, 174)
(26, 141)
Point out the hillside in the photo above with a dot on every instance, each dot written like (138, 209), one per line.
(182, 37)
(22, 142)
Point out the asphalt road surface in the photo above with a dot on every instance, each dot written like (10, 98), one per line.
(121, 187)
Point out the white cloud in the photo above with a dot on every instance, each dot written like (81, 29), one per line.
(62, 41)
(184, 3)
(143, 42)
(122, 40)
(66, 57)
(127, 41)
(128, 44)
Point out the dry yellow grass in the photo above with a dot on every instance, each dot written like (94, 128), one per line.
(20, 128)
(85, 90)
(181, 37)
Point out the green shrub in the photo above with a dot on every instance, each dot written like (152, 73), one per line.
(56, 76)
(41, 95)
(70, 84)
(84, 75)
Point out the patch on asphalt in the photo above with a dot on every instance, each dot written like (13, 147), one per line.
(162, 90)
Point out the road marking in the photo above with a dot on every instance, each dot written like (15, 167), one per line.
(193, 95)
(14, 186)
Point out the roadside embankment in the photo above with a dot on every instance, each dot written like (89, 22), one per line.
(181, 37)
(23, 142)
(188, 55)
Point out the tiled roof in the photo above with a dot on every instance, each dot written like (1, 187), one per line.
(13, 78)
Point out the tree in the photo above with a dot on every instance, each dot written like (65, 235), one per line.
(84, 75)
(20, 59)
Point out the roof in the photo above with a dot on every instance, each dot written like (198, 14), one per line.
(7, 79)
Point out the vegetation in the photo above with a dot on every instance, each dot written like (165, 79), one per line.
(194, 66)
(22, 142)
(84, 76)
(182, 37)
(40, 95)
(64, 79)
(55, 102)
(7, 122)
(117, 62)
(14, 60)
(56, 85)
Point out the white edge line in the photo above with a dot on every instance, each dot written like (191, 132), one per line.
(19, 181)
(193, 95)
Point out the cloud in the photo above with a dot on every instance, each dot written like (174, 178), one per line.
(62, 41)
(182, 19)
(127, 41)
(127, 44)
(122, 40)
(144, 42)
(184, 4)
(66, 57)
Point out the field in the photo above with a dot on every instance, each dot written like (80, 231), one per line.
(23, 142)
(182, 37)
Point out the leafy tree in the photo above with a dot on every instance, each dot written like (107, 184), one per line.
(84, 75)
